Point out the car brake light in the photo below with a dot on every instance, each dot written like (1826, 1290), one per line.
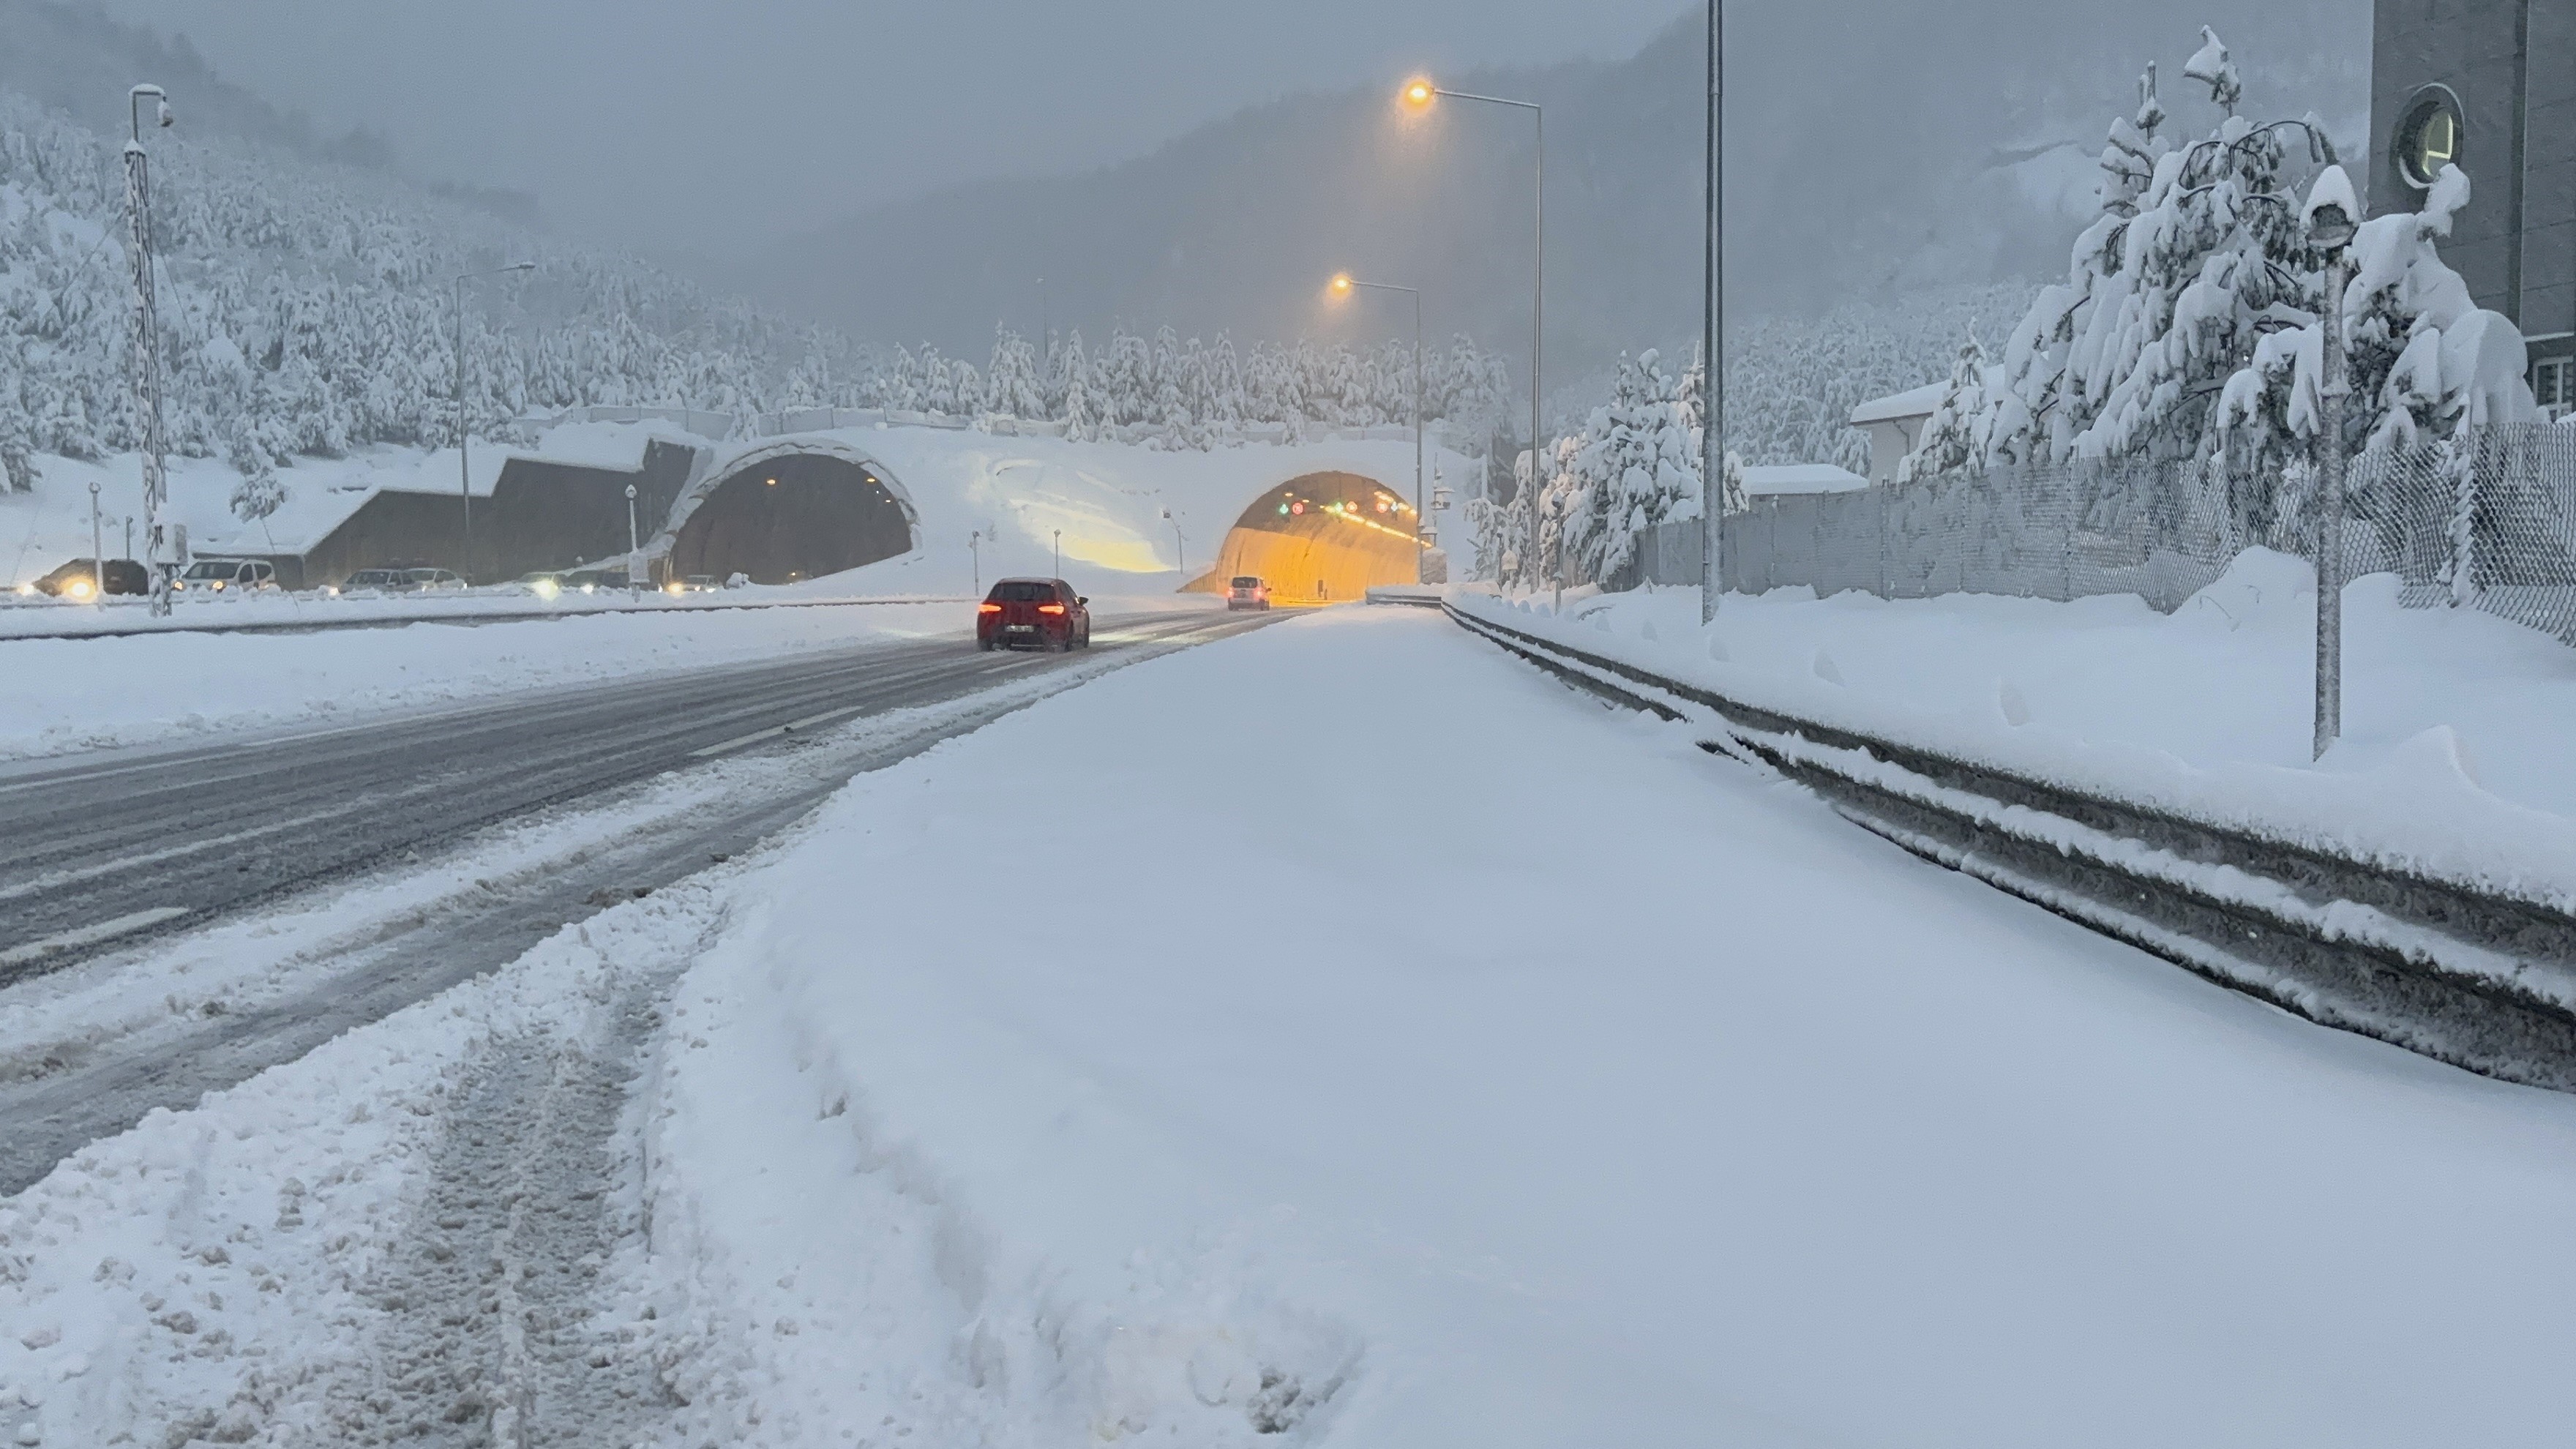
(988, 608)
(1050, 608)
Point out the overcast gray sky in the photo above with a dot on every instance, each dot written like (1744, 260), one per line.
(699, 125)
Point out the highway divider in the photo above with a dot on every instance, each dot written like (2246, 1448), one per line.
(2476, 976)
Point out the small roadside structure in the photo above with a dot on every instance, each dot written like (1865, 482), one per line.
(1895, 425)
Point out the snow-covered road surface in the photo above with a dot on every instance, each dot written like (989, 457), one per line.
(1384, 1046)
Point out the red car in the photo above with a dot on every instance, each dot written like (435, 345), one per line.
(1033, 614)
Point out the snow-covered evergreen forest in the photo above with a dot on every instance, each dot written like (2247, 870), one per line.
(308, 308)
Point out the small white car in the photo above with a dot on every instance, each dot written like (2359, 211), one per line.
(1247, 591)
(227, 576)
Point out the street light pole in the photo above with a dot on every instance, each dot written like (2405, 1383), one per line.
(464, 469)
(1059, 553)
(2331, 224)
(634, 544)
(1712, 383)
(1180, 555)
(97, 563)
(146, 363)
(1420, 94)
(1343, 285)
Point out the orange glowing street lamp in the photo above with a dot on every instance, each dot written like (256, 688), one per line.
(1418, 96)
(1341, 287)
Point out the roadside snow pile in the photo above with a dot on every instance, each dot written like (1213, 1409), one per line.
(1255, 1074)
(219, 1274)
(74, 694)
(2453, 757)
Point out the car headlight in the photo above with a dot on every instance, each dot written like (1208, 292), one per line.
(547, 588)
(77, 588)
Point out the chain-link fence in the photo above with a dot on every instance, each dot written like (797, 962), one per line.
(2489, 522)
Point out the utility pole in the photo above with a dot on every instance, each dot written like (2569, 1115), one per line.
(1059, 553)
(464, 470)
(1712, 383)
(146, 332)
(975, 551)
(97, 562)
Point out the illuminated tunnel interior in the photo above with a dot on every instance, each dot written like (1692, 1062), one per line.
(796, 516)
(1323, 538)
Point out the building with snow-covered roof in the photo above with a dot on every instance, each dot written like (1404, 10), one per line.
(1790, 479)
(2489, 86)
(1895, 424)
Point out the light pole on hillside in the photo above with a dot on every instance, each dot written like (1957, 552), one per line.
(975, 552)
(97, 564)
(1180, 554)
(1420, 94)
(1712, 383)
(1343, 285)
(464, 472)
(146, 336)
(1059, 553)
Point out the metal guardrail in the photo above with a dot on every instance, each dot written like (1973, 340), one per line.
(2473, 975)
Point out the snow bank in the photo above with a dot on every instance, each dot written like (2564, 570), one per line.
(75, 694)
(209, 1272)
(2452, 759)
(1556, 1085)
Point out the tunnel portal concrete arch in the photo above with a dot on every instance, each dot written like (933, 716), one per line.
(1320, 538)
(792, 512)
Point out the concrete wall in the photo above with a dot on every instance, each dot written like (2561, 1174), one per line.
(2516, 242)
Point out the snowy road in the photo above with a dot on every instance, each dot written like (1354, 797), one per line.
(1417, 1054)
(114, 855)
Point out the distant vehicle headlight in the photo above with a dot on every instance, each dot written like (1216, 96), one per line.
(590, 588)
(78, 588)
(26, 591)
(546, 588)
(675, 589)
(331, 590)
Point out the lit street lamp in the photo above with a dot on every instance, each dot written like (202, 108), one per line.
(1342, 287)
(1420, 94)
(2331, 222)
(464, 472)
(146, 336)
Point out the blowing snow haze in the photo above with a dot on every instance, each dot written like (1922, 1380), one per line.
(908, 173)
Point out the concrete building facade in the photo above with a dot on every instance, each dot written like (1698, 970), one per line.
(2489, 85)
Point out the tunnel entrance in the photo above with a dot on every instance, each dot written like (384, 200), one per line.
(1323, 538)
(789, 517)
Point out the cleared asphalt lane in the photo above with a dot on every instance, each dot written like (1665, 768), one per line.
(100, 853)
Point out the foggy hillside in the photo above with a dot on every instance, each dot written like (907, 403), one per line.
(1933, 157)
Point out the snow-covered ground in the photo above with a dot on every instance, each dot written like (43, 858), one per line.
(2453, 754)
(1379, 1044)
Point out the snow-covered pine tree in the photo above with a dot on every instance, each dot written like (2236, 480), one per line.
(2198, 252)
(2425, 360)
(1954, 436)
(1081, 422)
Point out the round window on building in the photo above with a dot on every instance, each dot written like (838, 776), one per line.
(2428, 138)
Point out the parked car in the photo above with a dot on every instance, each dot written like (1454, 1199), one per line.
(1033, 614)
(227, 575)
(381, 581)
(79, 579)
(1247, 591)
(429, 580)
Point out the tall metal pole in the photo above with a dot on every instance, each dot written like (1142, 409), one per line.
(146, 338)
(97, 563)
(1712, 383)
(2329, 690)
(1421, 558)
(464, 468)
(1422, 92)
